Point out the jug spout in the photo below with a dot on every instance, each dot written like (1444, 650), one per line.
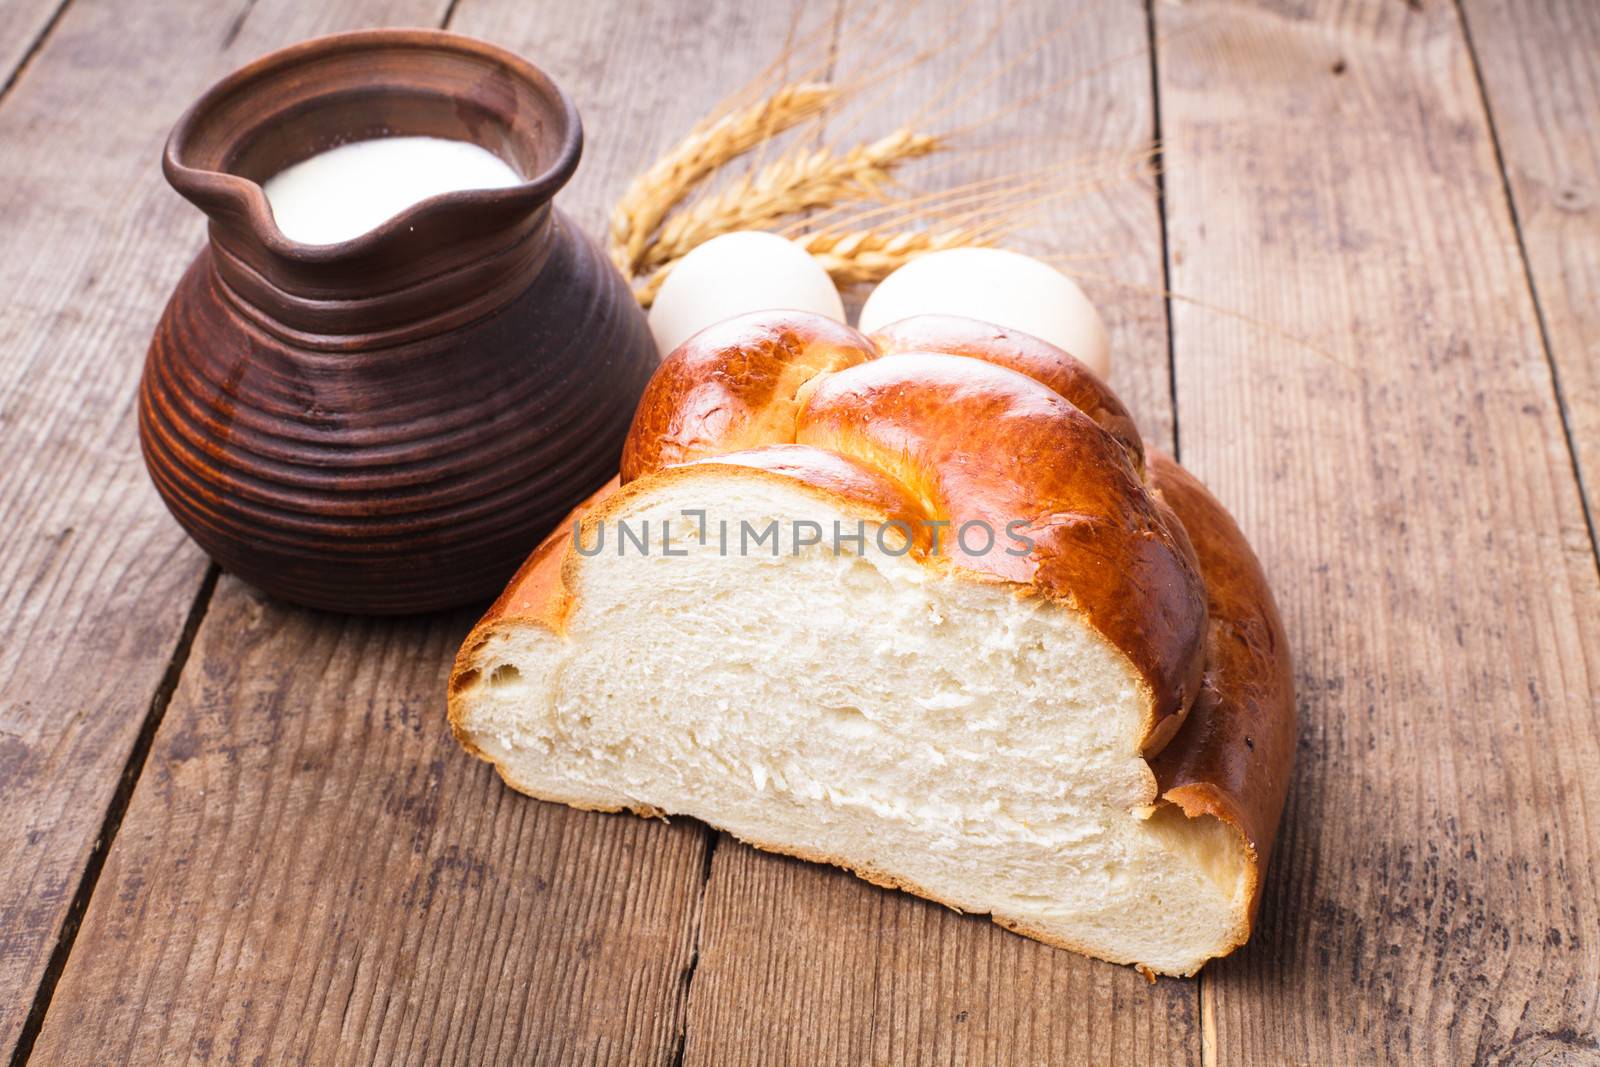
(449, 255)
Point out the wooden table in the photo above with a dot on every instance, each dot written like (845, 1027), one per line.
(237, 832)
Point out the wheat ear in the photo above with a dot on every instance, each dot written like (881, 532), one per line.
(811, 179)
(674, 175)
(859, 257)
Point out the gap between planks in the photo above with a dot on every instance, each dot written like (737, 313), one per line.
(1159, 163)
(33, 48)
(112, 821)
(1527, 274)
(712, 837)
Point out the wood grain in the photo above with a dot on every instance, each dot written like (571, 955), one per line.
(95, 579)
(801, 964)
(1434, 899)
(23, 26)
(1540, 67)
(310, 869)
(312, 872)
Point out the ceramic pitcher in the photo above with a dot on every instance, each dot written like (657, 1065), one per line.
(391, 423)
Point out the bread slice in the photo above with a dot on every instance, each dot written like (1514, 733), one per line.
(1088, 741)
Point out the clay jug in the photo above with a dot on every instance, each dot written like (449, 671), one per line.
(389, 424)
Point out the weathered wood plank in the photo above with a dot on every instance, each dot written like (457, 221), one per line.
(801, 964)
(22, 26)
(95, 580)
(310, 870)
(1434, 900)
(1540, 66)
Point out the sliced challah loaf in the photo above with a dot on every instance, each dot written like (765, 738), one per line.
(917, 605)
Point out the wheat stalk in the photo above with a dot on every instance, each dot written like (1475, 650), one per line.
(653, 194)
(859, 257)
(856, 257)
(818, 178)
(862, 240)
(860, 246)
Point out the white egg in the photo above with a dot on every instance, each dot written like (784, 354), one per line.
(738, 272)
(1006, 288)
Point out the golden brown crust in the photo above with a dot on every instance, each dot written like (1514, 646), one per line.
(735, 385)
(1024, 353)
(1233, 755)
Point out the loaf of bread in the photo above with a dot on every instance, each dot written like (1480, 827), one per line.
(921, 605)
